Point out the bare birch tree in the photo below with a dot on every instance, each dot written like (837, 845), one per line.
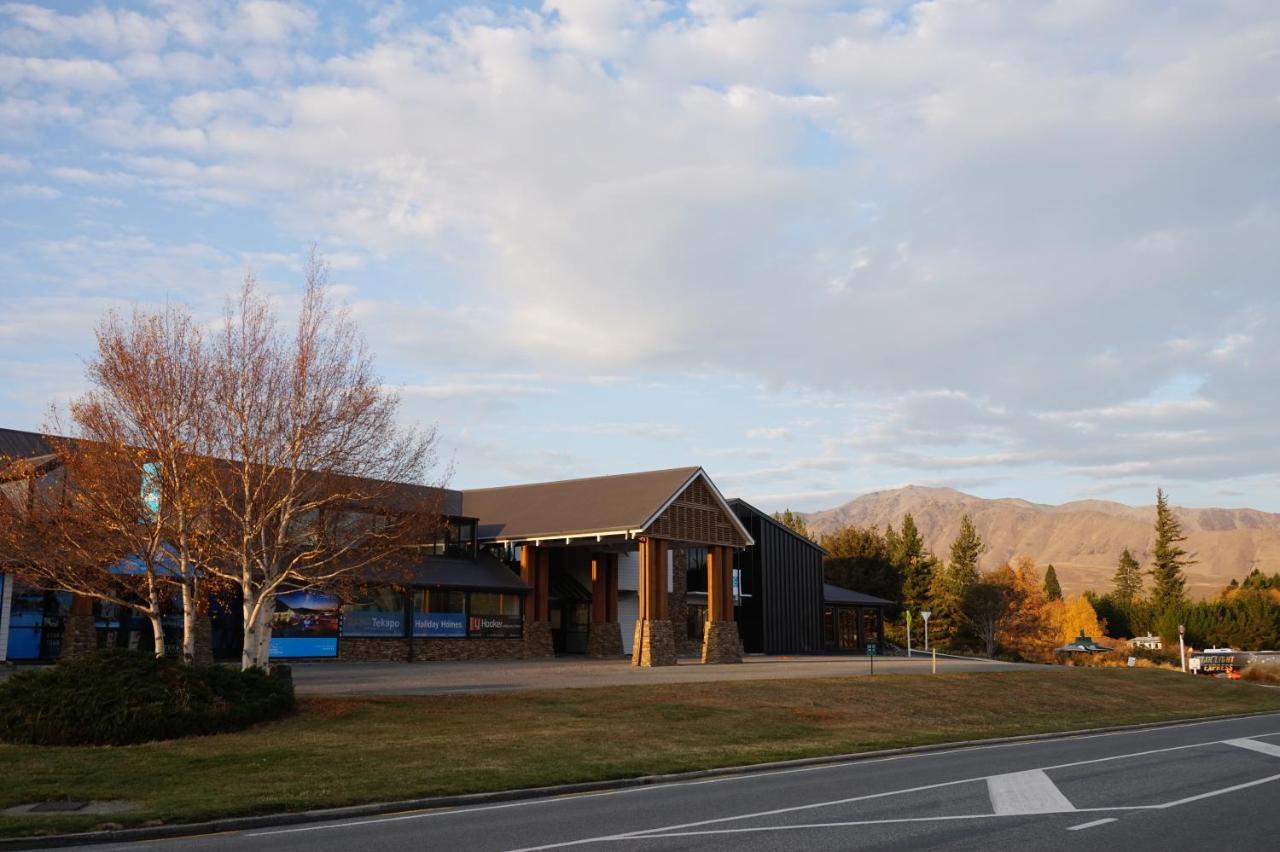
(71, 522)
(316, 483)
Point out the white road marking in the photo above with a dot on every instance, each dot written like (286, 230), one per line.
(1030, 792)
(681, 828)
(747, 776)
(1221, 792)
(1085, 825)
(1255, 745)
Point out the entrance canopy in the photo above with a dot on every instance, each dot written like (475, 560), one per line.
(679, 505)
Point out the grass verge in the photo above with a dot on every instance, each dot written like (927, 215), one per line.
(341, 751)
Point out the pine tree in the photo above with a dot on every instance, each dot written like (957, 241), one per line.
(951, 584)
(1052, 588)
(1128, 578)
(793, 521)
(916, 565)
(965, 550)
(1168, 559)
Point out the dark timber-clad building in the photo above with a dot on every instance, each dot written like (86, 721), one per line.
(652, 565)
(782, 611)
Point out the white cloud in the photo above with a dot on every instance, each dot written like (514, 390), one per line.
(768, 433)
(86, 74)
(969, 235)
(29, 192)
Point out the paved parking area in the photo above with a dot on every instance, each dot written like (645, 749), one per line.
(332, 678)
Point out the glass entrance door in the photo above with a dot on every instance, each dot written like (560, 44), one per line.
(848, 632)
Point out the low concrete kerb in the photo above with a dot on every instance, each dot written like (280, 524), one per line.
(130, 835)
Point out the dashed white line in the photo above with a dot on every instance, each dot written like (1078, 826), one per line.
(1093, 824)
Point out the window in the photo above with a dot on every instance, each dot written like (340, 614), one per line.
(696, 569)
(493, 603)
(379, 613)
(440, 613)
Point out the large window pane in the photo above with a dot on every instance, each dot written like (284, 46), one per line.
(440, 613)
(379, 613)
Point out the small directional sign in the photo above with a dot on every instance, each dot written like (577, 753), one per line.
(871, 649)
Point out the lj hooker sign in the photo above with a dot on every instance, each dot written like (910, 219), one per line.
(495, 626)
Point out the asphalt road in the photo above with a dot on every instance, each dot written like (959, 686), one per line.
(1209, 785)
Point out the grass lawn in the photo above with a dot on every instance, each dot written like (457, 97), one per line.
(340, 751)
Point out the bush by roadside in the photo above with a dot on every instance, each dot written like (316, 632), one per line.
(1262, 673)
(118, 697)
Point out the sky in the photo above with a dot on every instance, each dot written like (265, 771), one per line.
(1018, 247)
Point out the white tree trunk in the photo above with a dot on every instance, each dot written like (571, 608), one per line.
(264, 632)
(157, 632)
(188, 621)
(257, 631)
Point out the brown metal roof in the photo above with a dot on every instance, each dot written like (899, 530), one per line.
(16, 444)
(599, 504)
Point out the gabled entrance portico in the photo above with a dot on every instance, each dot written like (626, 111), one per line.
(646, 514)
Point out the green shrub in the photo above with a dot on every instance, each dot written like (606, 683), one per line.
(118, 697)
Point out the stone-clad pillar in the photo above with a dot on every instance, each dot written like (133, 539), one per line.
(654, 643)
(79, 630)
(535, 569)
(720, 640)
(605, 636)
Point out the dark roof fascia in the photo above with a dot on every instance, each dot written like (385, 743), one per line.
(738, 501)
(854, 598)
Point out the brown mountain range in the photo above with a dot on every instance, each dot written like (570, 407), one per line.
(1082, 539)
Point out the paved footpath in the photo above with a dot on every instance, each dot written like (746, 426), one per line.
(1207, 785)
(571, 673)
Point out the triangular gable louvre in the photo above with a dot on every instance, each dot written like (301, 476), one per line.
(697, 517)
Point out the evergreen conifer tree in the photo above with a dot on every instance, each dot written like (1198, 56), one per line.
(1168, 558)
(1128, 578)
(1052, 588)
(951, 584)
(793, 521)
(916, 564)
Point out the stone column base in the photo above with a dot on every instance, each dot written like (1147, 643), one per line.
(79, 636)
(721, 643)
(605, 639)
(537, 640)
(204, 640)
(655, 645)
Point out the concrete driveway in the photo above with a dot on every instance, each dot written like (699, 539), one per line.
(571, 673)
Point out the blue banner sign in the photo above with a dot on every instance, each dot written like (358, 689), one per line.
(453, 624)
(372, 623)
(299, 647)
(305, 624)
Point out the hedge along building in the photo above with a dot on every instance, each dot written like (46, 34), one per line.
(580, 534)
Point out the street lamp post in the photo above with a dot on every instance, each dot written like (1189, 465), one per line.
(1182, 647)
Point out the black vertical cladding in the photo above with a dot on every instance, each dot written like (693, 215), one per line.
(782, 573)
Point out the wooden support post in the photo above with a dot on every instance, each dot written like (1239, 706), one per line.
(527, 569)
(544, 584)
(720, 641)
(611, 589)
(659, 555)
(654, 642)
(599, 588)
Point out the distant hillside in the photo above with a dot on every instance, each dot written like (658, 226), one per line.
(1082, 539)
